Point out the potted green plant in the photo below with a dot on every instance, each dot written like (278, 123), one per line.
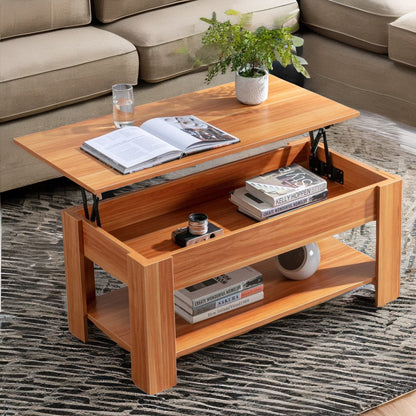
(250, 53)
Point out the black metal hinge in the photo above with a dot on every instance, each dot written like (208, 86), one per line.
(323, 168)
(95, 214)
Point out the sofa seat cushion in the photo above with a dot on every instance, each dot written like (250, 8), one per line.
(24, 17)
(360, 23)
(169, 39)
(402, 39)
(53, 69)
(108, 11)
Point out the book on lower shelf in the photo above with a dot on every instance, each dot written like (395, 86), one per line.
(219, 287)
(261, 210)
(226, 300)
(220, 294)
(285, 184)
(219, 310)
(157, 140)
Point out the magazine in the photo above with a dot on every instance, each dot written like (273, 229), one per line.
(156, 141)
(260, 210)
(285, 184)
(220, 286)
(222, 309)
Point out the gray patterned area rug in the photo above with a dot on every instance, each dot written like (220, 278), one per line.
(338, 358)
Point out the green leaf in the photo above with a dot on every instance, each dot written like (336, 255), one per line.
(246, 19)
(297, 41)
(304, 72)
(302, 61)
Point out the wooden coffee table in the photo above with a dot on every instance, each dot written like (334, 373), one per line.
(133, 243)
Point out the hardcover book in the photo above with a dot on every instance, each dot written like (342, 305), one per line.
(220, 302)
(260, 210)
(156, 141)
(220, 286)
(285, 185)
(218, 311)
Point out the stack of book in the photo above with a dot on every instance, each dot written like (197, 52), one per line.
(279, 191)
(219, 295)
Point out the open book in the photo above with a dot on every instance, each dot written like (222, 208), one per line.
(156, 141)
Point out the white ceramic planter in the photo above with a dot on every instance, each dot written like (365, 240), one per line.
(251, 91)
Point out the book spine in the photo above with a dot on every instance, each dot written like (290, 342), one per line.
(218, 311)
(283, 199)
(294, 204)
(245, 284)
(220, 302)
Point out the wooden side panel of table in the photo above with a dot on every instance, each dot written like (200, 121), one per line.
(79, 272)
(388, 249)
(152, 324)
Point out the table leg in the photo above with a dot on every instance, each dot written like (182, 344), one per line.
(80, 281)
(152, 325)
(388, 243)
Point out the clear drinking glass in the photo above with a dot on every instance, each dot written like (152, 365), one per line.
(123, 105)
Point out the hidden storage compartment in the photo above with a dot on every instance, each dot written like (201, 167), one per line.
(144, 220)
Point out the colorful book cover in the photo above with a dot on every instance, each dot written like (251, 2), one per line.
(220, 286)
(285, 184)
(260, 210)
(218, 311)
(219, 302)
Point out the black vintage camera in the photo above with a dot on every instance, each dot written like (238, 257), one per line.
(199, 229)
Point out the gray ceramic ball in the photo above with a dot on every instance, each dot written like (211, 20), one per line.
(300, 263)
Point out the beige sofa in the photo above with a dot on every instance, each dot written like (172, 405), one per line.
(363, 54)
(59, 59)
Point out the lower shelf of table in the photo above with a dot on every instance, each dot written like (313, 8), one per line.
(341, 270)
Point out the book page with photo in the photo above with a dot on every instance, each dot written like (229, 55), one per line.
(156, 141)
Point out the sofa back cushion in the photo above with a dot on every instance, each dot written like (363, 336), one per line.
(360, 23)
(169, 39)
(107, 11)
(402, 39)
(25, 17)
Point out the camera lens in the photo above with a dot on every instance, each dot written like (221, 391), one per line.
(198, 224)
